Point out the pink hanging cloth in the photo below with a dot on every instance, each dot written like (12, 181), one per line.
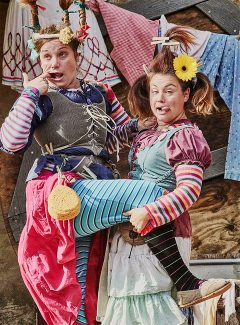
(131, 36)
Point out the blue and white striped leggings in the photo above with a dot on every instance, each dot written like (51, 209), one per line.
(104, 201)
(102, 204)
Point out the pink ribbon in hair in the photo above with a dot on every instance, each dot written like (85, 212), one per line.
(82, 32)
(40, 7)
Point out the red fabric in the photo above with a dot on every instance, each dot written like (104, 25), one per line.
(47, 257)
(131, 36)
(110, 95)
(182, 226)
(95, 262)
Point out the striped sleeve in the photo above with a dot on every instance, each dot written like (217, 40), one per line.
(170, 206)
(122, 135)
(125, 127)
(118, 114)
(15, 130)
(117, 139)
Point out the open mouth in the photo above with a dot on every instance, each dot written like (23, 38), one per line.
(56, 76)
(162, 110)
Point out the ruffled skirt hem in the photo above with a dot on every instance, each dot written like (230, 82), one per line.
(151, 309)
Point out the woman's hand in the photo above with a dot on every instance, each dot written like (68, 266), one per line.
(40, 82)
(139, 217)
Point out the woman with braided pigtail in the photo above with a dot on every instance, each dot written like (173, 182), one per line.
(72, 121)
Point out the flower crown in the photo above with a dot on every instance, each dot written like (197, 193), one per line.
(65, 35)
(185, 66)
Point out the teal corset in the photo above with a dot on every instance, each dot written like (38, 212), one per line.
(150, 163)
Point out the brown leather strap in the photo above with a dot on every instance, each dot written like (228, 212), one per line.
(126, 231)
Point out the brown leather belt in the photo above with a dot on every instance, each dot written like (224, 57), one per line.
(130, 236)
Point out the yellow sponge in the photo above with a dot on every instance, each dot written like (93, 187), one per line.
(63, 203)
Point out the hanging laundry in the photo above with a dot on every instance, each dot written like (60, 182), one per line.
(221, 63)
(205, 312)
(219, 55)
(95, 61)
(229, 298)
(131, 36)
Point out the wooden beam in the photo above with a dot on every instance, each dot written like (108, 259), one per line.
(153, 9)
(224, 13)
(217, 167)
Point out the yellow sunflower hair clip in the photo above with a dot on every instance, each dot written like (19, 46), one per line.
(185, 67)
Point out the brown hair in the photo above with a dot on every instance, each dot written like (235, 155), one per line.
(53, 29)
(201, 92)
(138, 98)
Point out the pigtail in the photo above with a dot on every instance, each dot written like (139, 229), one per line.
(81, 32)
(164, 59)
(65, 4)
(34, 12)
(82, 14)
(138, 98)
(61, 31)
(181, 34)
(202, 96)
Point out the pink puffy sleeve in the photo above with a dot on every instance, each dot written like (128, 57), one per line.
(188, 146)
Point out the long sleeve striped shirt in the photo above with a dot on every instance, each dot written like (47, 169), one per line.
(16, 129)
(170, 206)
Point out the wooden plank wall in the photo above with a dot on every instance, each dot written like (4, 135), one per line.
(217, 209)
(225, 16)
